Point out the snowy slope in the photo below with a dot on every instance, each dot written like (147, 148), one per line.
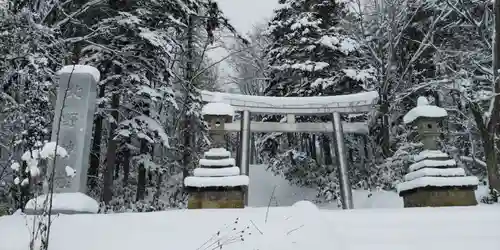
(287, 228)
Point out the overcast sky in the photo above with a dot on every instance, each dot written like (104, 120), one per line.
(243, 15)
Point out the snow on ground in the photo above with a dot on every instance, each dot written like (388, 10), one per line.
(457, 228)
(302, 226)
(294, 226)
(65, 202)
(262, 183)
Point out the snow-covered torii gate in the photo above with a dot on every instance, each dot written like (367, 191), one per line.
(292, 106)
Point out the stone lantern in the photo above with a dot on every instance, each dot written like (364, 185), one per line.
(426, 118)
(216, 125)
(434, 179)
(217, 183)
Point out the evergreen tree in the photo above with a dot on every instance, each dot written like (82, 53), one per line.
(311, 53)
(27, 77)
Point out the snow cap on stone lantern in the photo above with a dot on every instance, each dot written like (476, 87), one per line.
(216, 114)
(218, 107)
(426, 117)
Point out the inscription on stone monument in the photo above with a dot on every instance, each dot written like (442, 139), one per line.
(79, 84)
(70, 119)
(75, 92)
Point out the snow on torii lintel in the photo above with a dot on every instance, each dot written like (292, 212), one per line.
(81, 69)
(238, 101)
(217, 107)
(423, 109)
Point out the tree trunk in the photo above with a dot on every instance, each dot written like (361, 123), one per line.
(186, 127)
(366, 147)
(491, 163)
(107, 192)
(327, 151)
(312, 144)
(95, 153)
(489, 149)
(126, 165)
(141, 178)
(253, 150)
(385, 129)
(305, 145)
(117, 167)
(351, 154)
(159, 178)
(492, 132)
(24, 190)
(238, 149)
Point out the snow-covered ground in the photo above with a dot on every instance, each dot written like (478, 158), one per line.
(292, 226)
(298, 227)
(262, 183)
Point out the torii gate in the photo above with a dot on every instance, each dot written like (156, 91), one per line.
(292, 106)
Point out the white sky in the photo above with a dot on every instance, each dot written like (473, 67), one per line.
(243, 15)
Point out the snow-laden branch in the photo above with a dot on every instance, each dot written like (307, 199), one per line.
(78, 12)
(427, 38)
(473, 160)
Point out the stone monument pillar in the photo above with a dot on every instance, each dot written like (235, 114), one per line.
(75, 105)
(217, 183)
(434, 180)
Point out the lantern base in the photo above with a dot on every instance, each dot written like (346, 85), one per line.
(440, 196)
(216, 197)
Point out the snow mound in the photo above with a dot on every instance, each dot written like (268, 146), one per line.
(49, 149)
(213, 172)
(305, 206)
(426, 154)
(218, 107)
(423, 109)
(217, 152)
(225, 181)
(276, 228)
(81, 69)
(217, 163)
(64, 203)
(421, 182)
(432, 163)
(434, 172)
(422, 101)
